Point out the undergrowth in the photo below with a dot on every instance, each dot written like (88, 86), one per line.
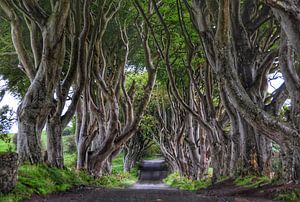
(176, 181)
(252, 181)
(292, 195)
(43, 180)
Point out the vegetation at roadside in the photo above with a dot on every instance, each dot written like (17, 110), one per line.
(251, 181)
(176, 181)
(292, 195)
(43, 180)
(6, 143)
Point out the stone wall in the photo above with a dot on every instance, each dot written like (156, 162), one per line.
(8, 171)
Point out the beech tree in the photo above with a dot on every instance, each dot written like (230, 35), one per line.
(42, 68)
(221, 48)
(239, 71)
(213, 58)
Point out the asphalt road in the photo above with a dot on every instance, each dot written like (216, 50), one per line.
(127, 195)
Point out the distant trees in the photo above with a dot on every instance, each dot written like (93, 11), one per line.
(6, 117)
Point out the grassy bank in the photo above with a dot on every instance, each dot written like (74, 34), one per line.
(176, 181)
(43, 180)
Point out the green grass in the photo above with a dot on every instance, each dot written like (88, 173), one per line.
(70, 158)
(252, 181)
(117, 164)
(119, 180)
(176, 181)
(292, 195)
(43, 180)
(7, 145)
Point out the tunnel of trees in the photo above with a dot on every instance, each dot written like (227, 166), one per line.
(190, 78)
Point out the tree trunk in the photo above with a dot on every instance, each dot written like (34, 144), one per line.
(32, 114)
(130, 158)
(128, 163)
(82, 154)
(54, 142)
(44, 76)
(265, 154)
(248, 152)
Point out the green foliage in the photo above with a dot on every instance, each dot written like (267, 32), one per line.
(176, 181)
(147, 125)
(67, 131)
(15, 79)
(69, 143)
(118, 164)
(252, 181)
(292, 195)
(6, 119)
(119, 180)
(42, 180)
(70, 159)
(6, 143)
(153, 152)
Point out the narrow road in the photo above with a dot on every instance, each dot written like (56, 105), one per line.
(149, 188)
(126, 195)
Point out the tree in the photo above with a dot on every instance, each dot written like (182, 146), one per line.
(42, 69)
(221, 48)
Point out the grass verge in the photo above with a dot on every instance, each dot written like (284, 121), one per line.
(292, 195)
(176, 181)
(252, 181)
(43, 180)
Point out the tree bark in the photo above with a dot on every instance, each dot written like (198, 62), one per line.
(54, 142)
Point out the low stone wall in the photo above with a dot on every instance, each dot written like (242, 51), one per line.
(8, 171)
